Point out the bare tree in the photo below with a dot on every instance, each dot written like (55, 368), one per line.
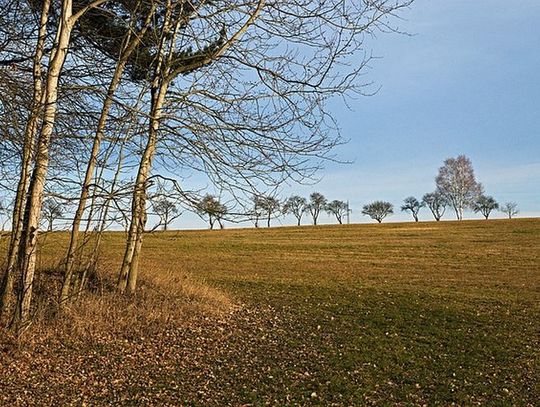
(378, 210)
(128, 41)
(52, 210)
(296, 206)
(270, 207)
(510, 208)
(243, 133)
(457, 183)
(213, 209)
(317, 203)
(258, 209)
(485, 204)
(39, 137)
(4, 215)
(436, 203)
(413, 205)
(339, 209)
(166, 210)
(192, 65)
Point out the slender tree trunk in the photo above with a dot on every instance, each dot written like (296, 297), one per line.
(24, 179)
(299, 219)
(131, 44)
(37, 182)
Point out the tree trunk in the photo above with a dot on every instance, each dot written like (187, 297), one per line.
(35, 195)
(24, 179)
(129, 47)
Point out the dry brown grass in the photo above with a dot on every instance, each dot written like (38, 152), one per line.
(404, 314)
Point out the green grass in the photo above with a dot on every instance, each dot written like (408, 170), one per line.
(407, 314)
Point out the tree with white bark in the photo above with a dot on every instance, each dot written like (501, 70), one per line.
(456, 182)
(191, 66)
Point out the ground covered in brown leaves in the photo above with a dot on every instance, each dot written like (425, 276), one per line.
(406, 314)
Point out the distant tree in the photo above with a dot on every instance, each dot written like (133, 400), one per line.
(413, 205)
(295, 205)
(317, 203)
(270, 206)
(4, 215)
(51, 211)
(436, 203)
(166, 210)
(457, 183)
(378, 210)
(337, 208)
(210, 207)
(510, 208)
(485, 205)
(258, 209)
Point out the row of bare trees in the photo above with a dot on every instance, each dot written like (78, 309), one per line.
(456, 188)
(105, 102)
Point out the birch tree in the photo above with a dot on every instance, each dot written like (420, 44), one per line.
(457, 183)
(46, 97)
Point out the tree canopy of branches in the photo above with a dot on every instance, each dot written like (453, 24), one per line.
(270, 207)
(457, 184)
(510, 209)
(236, 91)
(412, 205)
(213, 209)
(436, 203)
(317, 203)
(296, 206)
(166, 210)
(52, 211)
(485, 204)
(337, 208)
(378, 210)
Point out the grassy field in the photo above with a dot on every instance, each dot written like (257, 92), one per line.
(392, 314)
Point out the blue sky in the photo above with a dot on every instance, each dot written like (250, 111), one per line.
(465, 82)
